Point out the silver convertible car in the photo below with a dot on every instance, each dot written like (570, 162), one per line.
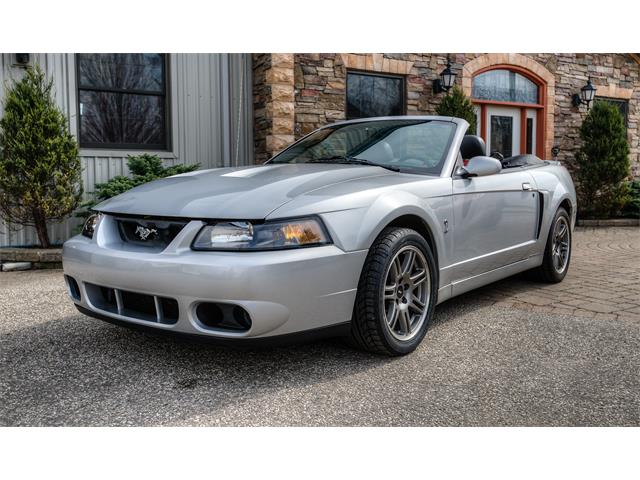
(360, 228)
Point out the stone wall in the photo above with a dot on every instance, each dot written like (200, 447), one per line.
(261, 95)
(320, 87)
(615, 76)
(273, 91)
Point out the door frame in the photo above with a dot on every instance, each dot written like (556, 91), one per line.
(540, 107)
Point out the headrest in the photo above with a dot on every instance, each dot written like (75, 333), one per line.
(472, 146)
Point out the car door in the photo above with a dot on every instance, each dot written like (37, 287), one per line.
(495, 221)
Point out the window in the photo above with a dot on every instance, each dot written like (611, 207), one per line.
(123, 101)
(502, 135)
(622, 105)
(505, 86)
(374, 95)
(415, 146)
(529, 139)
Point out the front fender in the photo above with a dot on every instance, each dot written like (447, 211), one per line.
(357, 229)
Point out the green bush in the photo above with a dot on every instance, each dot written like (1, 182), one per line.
(39, 164)
(144, 168)
(632, 207)
(456, 104)
(603, 163)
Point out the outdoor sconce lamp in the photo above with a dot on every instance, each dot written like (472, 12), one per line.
(446, 80)
(586, 95)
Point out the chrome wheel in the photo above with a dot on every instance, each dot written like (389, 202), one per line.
(407, 290)
(561, 245)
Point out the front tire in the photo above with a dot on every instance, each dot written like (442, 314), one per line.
(557, 253)
(396, 295)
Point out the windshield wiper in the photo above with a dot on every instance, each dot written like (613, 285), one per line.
(353, 160)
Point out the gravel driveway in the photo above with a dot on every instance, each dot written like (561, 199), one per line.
(485, 361)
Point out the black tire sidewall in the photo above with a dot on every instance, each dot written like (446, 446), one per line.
(548, 254)
(398, 346)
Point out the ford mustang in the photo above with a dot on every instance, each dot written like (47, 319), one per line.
(360, 228)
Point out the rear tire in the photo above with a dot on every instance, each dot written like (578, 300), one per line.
(557, 253)
(396, 295)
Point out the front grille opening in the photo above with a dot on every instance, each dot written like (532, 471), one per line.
(223, 316)
(74, 289)
(140, 306)
(169, 309)
(155, 235)
(108, 296)
(103, 298)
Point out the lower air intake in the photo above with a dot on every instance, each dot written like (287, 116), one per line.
(140, 306)
(223, 316)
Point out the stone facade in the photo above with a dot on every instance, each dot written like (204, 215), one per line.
(273, 103)
(318, 82)
(262, 125)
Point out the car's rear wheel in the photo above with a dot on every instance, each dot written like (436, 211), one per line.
(396, 294)
(557, 253)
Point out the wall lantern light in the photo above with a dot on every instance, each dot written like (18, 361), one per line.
(446, 80)
(586, 95)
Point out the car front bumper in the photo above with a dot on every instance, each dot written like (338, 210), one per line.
(284, 292)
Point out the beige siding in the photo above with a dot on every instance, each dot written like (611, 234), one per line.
(211, 120)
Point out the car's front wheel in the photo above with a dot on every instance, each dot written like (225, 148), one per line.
(397, 293)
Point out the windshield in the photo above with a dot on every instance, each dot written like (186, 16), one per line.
(413, 146)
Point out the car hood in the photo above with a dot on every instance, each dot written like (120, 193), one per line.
(234, 193)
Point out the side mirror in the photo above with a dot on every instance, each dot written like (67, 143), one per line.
(479, 167)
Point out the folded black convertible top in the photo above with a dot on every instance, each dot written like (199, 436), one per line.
(521, 161)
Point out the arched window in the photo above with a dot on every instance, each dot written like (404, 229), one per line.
(514, 97)
(510, 110)
(505, 86)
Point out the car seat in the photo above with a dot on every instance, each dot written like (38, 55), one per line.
(472, 146)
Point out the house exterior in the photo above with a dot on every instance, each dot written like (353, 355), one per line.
(523, 101)
(240, 109)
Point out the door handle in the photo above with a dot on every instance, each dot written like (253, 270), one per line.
(527, 186)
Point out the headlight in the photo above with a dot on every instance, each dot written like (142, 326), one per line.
(295, 233)
(90, 224)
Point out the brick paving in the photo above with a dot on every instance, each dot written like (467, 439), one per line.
(603, 279)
